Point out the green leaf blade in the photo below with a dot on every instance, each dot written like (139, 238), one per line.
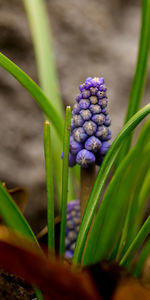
(101, 179)
(65, 179)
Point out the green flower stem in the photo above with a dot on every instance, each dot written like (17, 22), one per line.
(139, 79)
(101, 179)
(49, 184)
(87, 181)
(35, 92)
(136, 244)
(65, 180)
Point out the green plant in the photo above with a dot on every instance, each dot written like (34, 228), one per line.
(125, 196)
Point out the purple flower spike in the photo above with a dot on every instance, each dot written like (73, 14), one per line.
(89, 127)
(85, 158)
(104, 148)
(75, 147)
(92, 144)
(89, 123)
(84, 103)
(79, 134)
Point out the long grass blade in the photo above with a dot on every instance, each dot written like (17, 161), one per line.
(49, 184)
(135, 211)
(35, 92)
(136, 244)
(65, 179)
(105, 233)
(101, 179)
(139, 79)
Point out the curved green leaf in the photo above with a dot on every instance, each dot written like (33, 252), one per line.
(139, 79)
(35, 92)
(12, 216)
(101, 179)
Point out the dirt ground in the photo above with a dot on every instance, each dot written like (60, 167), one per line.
(90, 38)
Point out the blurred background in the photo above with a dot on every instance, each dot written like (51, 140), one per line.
(90, 38)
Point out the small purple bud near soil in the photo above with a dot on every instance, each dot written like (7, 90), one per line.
(72, 159)
(72, 227)
(85, 158)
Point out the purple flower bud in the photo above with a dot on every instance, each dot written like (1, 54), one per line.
(72, 125)
(93, 90)
(107, 137)
(76, 108)
(93, 99)
(72, 159)
(88, 83)
(107, 121)
(103, 88)
(95, 109)
(104, 148)
(103, 102)
(101, 132)
(85, 158)
(75, 147)
(86, 94)
(98, 119)
(95, 81)
(84, 103)
(101, 94)
(82, 87)
(79, 135)
(105, 110)
(89, 127)
(92, 144)
(77, 121)
(78, 98)
(85, 114)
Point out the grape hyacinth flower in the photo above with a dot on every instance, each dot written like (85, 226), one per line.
(89, 124)
(72, 227)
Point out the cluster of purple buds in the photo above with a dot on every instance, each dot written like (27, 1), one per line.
(90, 123)
(72, 227)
